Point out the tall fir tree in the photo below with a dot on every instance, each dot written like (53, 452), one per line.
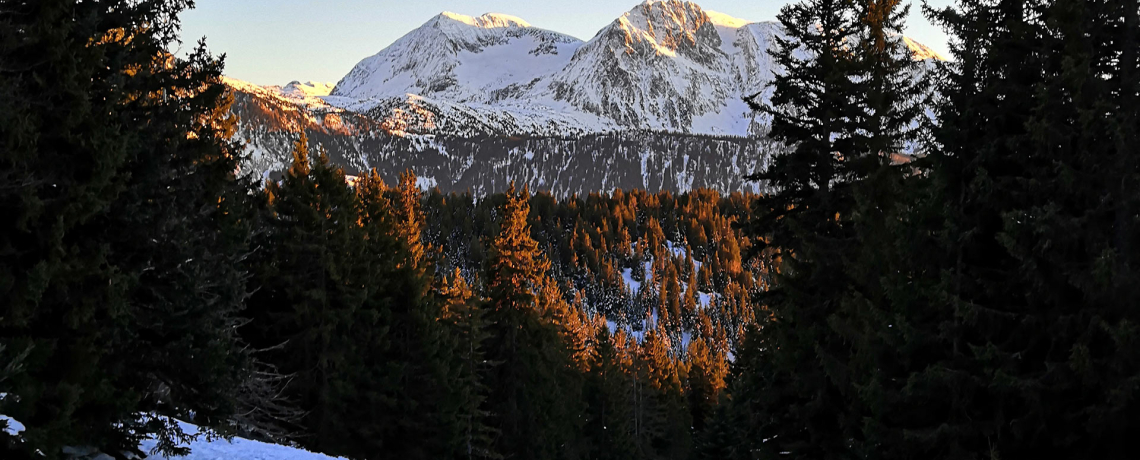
(815, 110)
(121, 253)
(347, 308)
(409, 217)
(704, 380)
(533, 403)
(1026, 340)
(421, 414)
(313, 286)
(466, 313)
(662, 427)
(891, 107)
(607, 396)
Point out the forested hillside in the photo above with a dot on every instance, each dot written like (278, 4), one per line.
(470, 319)
(641, 260)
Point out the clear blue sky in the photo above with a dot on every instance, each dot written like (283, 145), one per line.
(277, 41)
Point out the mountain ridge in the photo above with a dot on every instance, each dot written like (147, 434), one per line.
(664, 65)
(473, 102)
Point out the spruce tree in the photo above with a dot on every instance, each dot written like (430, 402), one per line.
(661, 423)
(347, 307)
(705, 379)
(466, 313)
(120, 253)
(721, 438)
(421, 414)
(998, 309)
(607, 396)
(815, 111)
(890, 109)
(409, 218)
(1026, 335)
(313, 285)
(533, 389)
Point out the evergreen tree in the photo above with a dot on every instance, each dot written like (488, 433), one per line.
(705, 379)
(1010, 333)
(661, 420)
(351, 309)
(313, 285)
(608, 396)
(721, 438)
(466, 313)
(533, 401)
(407, 402)
(890, 106)
(815, 110)
(120, 253)
(409, 216)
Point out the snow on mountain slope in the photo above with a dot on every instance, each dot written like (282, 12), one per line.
(653, 101)
(657, 67)
(922, 52)
(308, 89)
(666, 65)
(460, 58)
(308, 95)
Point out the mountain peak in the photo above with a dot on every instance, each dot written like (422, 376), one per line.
(677, 11)
(662, 27)
(485, 21)
(307, 89)
(724, 20)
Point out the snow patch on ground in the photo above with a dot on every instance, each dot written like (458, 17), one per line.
(235, 449)
(12, 426)
(634, 285)
(426, 183)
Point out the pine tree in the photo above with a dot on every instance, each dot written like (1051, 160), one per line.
(465, 312)
(430, 409)
(890, 107)
(572, 324)
(347, 307)
(120, 253)
(662, 428)
(532, 404)
(704, 381)
(608, 396)
(1017, 298)
(721, 438)
(815, 111)
(1007, 331)
(312, 286)
(409, 216)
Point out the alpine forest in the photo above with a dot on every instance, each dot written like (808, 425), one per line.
(690, 237)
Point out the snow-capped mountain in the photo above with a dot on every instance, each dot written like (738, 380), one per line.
(459, 58)
(665, 65)
(308, 89)
(654, 100)
(668, 65)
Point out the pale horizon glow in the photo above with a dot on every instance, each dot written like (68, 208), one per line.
(276, 42)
